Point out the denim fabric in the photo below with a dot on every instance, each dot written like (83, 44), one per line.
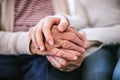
(116, 73)
(100, 65)
(28, 67)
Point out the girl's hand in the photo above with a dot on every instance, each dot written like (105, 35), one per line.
(43, 30)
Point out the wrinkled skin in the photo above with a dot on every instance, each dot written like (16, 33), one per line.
(70, 41)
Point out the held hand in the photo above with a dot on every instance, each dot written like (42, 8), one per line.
(62, 63)
(65, 65)
(65, 54)
(69, 40)
(43, 28)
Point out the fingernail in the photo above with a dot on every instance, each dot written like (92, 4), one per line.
(61, 28)
(83, 50)
(75, 58)
(51, 42)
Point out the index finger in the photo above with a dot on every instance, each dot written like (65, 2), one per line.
(48, 24)
(61, 53)
(73, 38)
(81, 36)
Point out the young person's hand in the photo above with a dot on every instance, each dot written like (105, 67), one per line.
(43, 30)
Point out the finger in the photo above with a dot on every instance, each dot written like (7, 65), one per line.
(47, 31)
(48, 24)
(34, 38)
(62, 54)
(48, 46)
(73, 38)
(63, 24)
(81, 36)
(71, 46)
(49, 59)
(61, 61)
(54, 62)
(75, 53)
(39, 36)
(30, 32)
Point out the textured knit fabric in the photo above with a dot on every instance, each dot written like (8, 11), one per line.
(29, 12)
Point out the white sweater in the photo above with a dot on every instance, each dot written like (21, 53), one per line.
(100, 19)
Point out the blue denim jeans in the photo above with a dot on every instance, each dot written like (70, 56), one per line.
(26, 67)
(102, 65)
(99, 66)
(116, 73)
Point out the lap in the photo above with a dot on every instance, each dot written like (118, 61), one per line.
(11, 66)
(28, 67)
(98, 66)
(116, 73)
(41, 69)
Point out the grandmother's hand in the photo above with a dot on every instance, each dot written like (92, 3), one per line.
(66, 65)
(73, 45)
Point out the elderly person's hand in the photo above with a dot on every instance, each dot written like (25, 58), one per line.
(61, 63)
(43, 28)
(66, 65)
(69, 39)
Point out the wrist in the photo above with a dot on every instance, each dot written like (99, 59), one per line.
(93, 43)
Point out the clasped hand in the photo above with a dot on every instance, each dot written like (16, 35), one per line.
(66, 53)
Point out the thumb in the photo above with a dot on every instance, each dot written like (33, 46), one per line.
(63, 25)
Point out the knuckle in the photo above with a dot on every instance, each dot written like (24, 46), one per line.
(64, 64)
(66, 44)
(40, 43)
(58, 52)
(72, 36)
(82, 50)
(64, 23)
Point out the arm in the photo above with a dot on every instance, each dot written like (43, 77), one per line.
(97, 37)
(14, 43)
(108, 35)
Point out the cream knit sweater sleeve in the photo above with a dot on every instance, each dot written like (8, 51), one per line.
(106, 35)
(14, 43)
